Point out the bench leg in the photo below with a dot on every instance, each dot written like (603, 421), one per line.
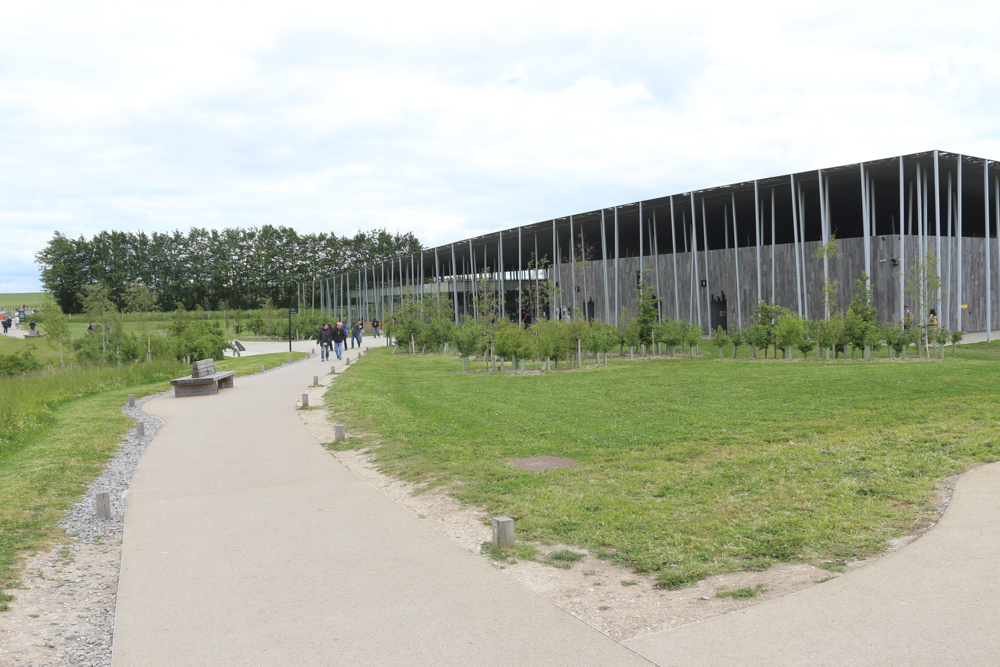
(226, 383)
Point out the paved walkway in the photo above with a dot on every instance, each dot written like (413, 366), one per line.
(246, 543)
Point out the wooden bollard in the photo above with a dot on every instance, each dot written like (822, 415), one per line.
(131, 400)
(315, 380)
(305, 400)
(140, 430)
(503, 532)
(339, 433)
(347, 360)
(102, 504)
(262, 368)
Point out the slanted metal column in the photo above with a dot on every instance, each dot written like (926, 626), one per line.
(673, 244)
(736, 256)
(866, 226)
(572, 263)
(756, 231)
(986, 228)
(951, 256)
(654, 238)
(942, 319)
(454, 281)
(520, 278)
(618, 276)
(902, 239)
(475, 288)
(604, 262)
(795, 242)
(961, 248)
(708, 284)
(696, 284)
(773, 244)
(586, 300)
(500, 276)
(640, 238)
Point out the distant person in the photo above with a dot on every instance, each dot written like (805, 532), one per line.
(339, 339)
(6, 325)
(907, 317)
(325, 341)
(932, 319)
(90, 328)
(375, 326)
(356, 333)
(32, 325)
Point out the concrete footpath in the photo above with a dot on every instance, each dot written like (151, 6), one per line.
(247, 543)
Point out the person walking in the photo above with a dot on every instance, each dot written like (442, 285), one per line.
(356, 333)
(6, 324)
(907, 317)
(375, 325)
(339, 339)
(325, 341)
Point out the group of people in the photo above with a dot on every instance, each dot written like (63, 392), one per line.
(335, 337)
(932, 318)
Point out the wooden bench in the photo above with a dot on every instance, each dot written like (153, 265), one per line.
(203, 381)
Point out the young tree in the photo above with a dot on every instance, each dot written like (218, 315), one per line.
(98, 308)
(861, 315)
(56, 326)
(827, 252)
(721, 339)
(923, 287)
(141, 299)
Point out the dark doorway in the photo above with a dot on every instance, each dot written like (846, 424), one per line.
(719, 318)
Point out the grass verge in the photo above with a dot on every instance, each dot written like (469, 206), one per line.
(70, 426)
(687, 468)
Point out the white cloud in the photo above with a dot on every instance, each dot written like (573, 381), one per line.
(452, 119)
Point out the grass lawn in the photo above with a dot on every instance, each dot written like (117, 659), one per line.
(688, 467)
(43, 473)
(17, 299)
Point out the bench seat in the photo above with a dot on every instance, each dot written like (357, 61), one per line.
(203, 381)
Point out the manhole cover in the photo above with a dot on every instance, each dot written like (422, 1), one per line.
(542, 463)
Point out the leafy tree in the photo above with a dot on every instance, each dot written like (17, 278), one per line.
(788, 331)
(720, 338)
(98, 308)
(141, 299)
(647, 311)
(470, 340)
(826, 252)
(765, 316)
(860, 321)
(56, 326)
(193, 337)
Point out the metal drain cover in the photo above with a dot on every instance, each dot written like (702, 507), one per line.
(542, 463)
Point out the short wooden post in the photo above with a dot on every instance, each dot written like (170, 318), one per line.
(347, 360)
(289, 360)
(503, 532)
(305, 400)
(339, 433)
(102, 504)
(315, 380)
(262, 368)
(333, 370)
(131, 400)
(140, 429)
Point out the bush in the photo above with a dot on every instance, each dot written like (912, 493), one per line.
(15, 364)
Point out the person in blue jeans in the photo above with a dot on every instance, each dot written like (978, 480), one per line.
(325, 340)
(375, 325)
(356, 333)
(339, 339)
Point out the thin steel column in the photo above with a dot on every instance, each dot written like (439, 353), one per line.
(586, 300)
(756, 232)
(708, 284)
(640, 238)
(951, 255)
(654, 237)
(824, 228)
(454, 280)
(604, 262)
(696, 284)
(937, 225)
(520, 276)
(736, 256)
(572, 262)
(902, 238)
(802, 250)
(673, 244)
(552, 268)
(618, 276)
(866, 228)
(961, 247)
(795, 242)
(986, 228)
(475, 288)
(500, 276)
(773, 244)
(537, 309)
(437, 279)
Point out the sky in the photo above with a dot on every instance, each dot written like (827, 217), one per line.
(453, 119)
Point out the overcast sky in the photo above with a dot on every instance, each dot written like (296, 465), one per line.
(454, 119)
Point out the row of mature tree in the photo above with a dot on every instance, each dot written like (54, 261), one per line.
(205, 267)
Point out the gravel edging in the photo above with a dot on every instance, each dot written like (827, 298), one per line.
(65, 608)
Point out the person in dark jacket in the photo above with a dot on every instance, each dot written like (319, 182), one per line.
(325, 341)
(339, 338)
(375, 326)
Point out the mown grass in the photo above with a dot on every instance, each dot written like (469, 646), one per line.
(17, 299)
(692, 467)
(58, 431)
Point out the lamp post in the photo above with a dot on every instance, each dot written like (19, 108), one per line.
(291, 311)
